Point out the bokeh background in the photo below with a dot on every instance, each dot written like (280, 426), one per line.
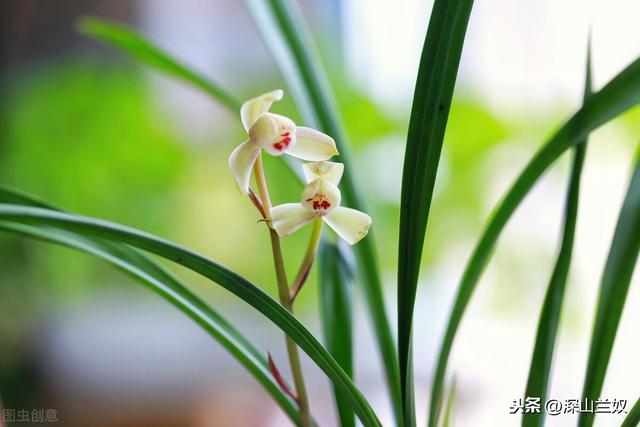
(100, 135)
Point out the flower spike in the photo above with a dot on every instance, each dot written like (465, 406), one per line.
(275, 134)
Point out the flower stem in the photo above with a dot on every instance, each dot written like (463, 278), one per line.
(284, 295)
(307, 261)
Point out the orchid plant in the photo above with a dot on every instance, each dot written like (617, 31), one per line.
(330, 195)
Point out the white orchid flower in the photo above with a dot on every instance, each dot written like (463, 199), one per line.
(321, 199)
(276, 135)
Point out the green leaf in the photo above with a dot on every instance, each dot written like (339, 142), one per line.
(335, 307)
(286, 35)
(451, 398)
(431, 102)
(155, 277)
(134, 44)
(622, 93)
(538, 381)
(633, 418)
(613, 293)
(226, 278)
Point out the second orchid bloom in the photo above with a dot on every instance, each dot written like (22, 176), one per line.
(320, 199)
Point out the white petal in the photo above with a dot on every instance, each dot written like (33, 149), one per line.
(290, 217)
(350, 224)
(241, 161)
(251, 110)
(330, 171)
(312, 145)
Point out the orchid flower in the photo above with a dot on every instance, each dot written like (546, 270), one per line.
(321, 199)
(276, 135)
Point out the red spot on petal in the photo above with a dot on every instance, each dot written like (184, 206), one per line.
(277, 146)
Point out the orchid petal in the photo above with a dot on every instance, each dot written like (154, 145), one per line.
(350, 224)
(241, 161)
(312, 145)
(289, 217)
(330, 171)
(251, 109)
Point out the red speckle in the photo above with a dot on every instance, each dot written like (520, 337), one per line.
(277, 146)
(286, 134)
(320, 203)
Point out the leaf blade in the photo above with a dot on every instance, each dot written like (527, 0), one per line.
(335, 308)
(134, 44)
(620, 94)
(633, 417)
(155, 277)
(429, 113)
(614, 287)
(540, 369)
(224, 277)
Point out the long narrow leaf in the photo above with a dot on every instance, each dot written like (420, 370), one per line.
(431, 102)
(336, 310)
(451, 399)
(226, 278)
(177, 295)
(285, 33)
(622, 93)
(134, 44)
(538, 382)
(156, 278)
(613, 293)
(633, 417)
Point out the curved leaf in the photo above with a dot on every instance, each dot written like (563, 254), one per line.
(431, 101)
(226, 278)
(285, 33)
(173, 292)
(615, 98)
(335, 307)
(613, 294)
(134, 44)
(155, 277)
(538, 381)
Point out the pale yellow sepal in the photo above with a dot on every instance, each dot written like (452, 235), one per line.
(312, 145)
(253, 108)
(350, 224)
